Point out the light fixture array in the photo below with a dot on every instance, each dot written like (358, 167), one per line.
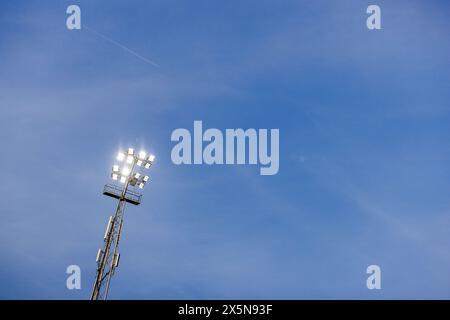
(126, 173)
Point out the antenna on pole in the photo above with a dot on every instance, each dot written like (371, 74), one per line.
(129, 176)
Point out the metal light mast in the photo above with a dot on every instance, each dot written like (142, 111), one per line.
(108, 256)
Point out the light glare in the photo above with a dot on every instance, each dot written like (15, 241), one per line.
(120, 156)
(125, 171)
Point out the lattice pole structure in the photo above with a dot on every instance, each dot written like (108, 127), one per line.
(108, 257)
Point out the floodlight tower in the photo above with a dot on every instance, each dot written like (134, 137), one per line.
(129, 176)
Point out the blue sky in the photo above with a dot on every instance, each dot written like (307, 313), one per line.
(364, 147)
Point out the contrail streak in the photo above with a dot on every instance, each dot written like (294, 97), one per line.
(134, 53)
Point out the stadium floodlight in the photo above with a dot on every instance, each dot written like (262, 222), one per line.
(107, 259)
(142, 155)
(126, 171)
(121, 156)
